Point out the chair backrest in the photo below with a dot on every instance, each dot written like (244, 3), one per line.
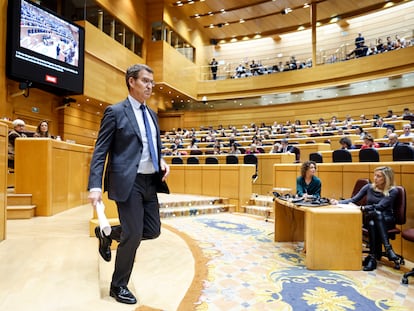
(358, 185)
(315, 134)
(196, 152)
(177, 160)
(212, 160)
(341, 155)
(193, 160)
(250, 159)
(403, 153)
(316, 157)
(369, 155)
(296, 151)
(232, 159)
(400, 206)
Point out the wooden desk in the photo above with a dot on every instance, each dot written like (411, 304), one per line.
(333, 235)
(54, 172)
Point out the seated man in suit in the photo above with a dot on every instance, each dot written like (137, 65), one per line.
(284, 146)
(393, 140)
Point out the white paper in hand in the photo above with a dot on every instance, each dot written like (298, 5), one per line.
(103, 221)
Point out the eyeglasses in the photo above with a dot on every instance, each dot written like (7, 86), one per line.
(148, 82)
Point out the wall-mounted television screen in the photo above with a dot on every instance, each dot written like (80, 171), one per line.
(44, 49)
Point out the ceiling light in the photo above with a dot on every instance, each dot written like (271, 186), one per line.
(334, 19)
(241, 21)
(286, 11)
(306, 5)
(301, 27)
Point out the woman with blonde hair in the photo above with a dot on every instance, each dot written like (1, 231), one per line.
(378, 214)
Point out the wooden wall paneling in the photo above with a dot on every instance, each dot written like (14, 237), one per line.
(131, 13)
(104, 73)
(3, 180)
(331, 180)
(211, 180)
(155, 59)
(176, 179)
(193, 181)
(351, 173)
(170, 121)
(54, 172)
(265, 172)
(60, 185)
(30, 156)
(285, 176)
(179, 72)
(5, 109)
(235, 183)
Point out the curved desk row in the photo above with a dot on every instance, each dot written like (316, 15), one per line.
(332, 235)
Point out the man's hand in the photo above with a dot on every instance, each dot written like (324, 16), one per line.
(94, 197)
(165, 168)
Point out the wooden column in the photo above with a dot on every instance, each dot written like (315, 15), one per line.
(313, 15)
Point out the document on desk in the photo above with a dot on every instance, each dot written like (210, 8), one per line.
(103, 221)
(349, 206)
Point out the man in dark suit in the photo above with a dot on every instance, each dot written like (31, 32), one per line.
(133, 175)
(393, 140)
(284, 146)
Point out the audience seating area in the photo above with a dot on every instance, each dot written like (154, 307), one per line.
(315, 137)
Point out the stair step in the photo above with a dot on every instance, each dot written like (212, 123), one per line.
(20, 211)
(195, 210)
(19, 199)
(265, 211)
(190, 203)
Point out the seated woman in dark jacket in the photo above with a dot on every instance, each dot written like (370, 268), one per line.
(308, 184)
(378, 214)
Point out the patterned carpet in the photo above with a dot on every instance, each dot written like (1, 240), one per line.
(248, 271)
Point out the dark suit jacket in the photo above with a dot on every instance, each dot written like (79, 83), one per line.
(119, 138)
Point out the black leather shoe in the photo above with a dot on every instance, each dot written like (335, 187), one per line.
(104, 244)
(365, 261)
(391, 255)
(123, 295)
(371, 264)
